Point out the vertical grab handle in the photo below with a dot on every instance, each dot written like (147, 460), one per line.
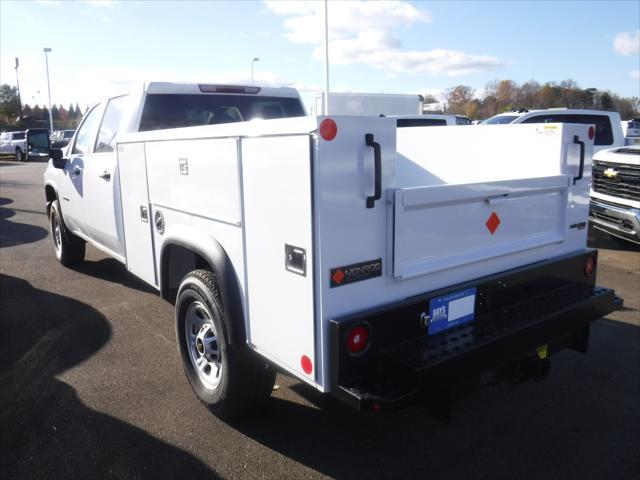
(377, 160)
(576, 140)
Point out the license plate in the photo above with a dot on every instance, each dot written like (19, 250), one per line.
(452, 309)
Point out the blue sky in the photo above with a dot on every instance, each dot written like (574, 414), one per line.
(102, 47)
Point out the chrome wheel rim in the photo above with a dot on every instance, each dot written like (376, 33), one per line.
(57, 232)
(202, 344)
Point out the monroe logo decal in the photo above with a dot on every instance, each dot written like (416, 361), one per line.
(356, 272)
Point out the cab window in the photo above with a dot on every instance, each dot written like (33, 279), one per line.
(110, 124)
(87, 132)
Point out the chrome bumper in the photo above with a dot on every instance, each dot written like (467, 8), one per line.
(615, 220)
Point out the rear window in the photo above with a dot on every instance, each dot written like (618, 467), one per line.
(463, 121)
(604, 134)
(163, 111)
(500, 119)
(421, 122)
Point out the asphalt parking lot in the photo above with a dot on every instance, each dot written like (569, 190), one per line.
(91, 386)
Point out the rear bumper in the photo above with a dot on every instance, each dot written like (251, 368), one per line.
(504, 335)
(616, 220)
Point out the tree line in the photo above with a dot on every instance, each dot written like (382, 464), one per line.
(14, 116)
(506, 95)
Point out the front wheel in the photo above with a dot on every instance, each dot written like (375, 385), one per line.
(19, 155)
(229, 379)
(68, 248)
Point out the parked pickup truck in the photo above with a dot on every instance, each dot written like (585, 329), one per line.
(14, 144)
(376, 263)
(28, 145)
(615, 193)
(608, 128)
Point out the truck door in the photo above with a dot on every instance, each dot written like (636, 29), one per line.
(136, 211)
(101, 196)
(72, 188)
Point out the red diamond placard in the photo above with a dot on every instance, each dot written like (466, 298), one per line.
(493, 223)
(338, 276)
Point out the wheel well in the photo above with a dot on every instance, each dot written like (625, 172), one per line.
(177, 261)
(50, 195)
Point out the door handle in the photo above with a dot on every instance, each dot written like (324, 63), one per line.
(76, 170)
(377, 167)
(105, 175)
(577, 141)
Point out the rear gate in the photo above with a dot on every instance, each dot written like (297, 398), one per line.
(479, 221)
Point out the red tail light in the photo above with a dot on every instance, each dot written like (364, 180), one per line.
(592, 133)
(328, 129)
(589, 266)
(357, 339)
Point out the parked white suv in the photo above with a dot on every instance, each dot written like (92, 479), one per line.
(608, 129)
(14, 143)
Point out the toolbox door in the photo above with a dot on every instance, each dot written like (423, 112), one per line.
(446, 226)
(136, 211)
(276, 177)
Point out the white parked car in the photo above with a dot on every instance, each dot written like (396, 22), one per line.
(369, 261)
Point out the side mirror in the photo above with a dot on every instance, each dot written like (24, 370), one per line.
(56, 158)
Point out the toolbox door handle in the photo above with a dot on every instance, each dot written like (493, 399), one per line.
(576, 140)
(377, 160)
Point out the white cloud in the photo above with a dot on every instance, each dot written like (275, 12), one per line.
(102, 3)
(53, 3)
(635, 74)
(363, 32)
(626, 43)
(105, 20)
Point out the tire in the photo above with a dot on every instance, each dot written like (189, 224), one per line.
(232, 380)
(68, 248)
(19, 155)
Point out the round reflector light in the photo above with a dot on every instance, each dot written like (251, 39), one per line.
(592, 133)
(358, 339)
(589, 266)
(328, 129)
(305, 363)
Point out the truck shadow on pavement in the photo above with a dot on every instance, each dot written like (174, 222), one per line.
(46, 431)
(14, 233)
(599, 239)
(573, 424)
(111, 270)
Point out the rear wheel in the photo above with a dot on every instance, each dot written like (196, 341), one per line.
(19, 155)
(68, 248)
(229, 379)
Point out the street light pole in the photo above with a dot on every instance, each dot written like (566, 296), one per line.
(46, 60)
(18, 87)
(255, 59)
(326, 57)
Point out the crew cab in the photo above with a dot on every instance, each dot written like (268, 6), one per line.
(375, 263)
(14, 143)
(608, 129)
(615, 194)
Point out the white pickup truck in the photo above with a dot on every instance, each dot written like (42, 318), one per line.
(608, 131)
(615, 193)
(376, 263)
